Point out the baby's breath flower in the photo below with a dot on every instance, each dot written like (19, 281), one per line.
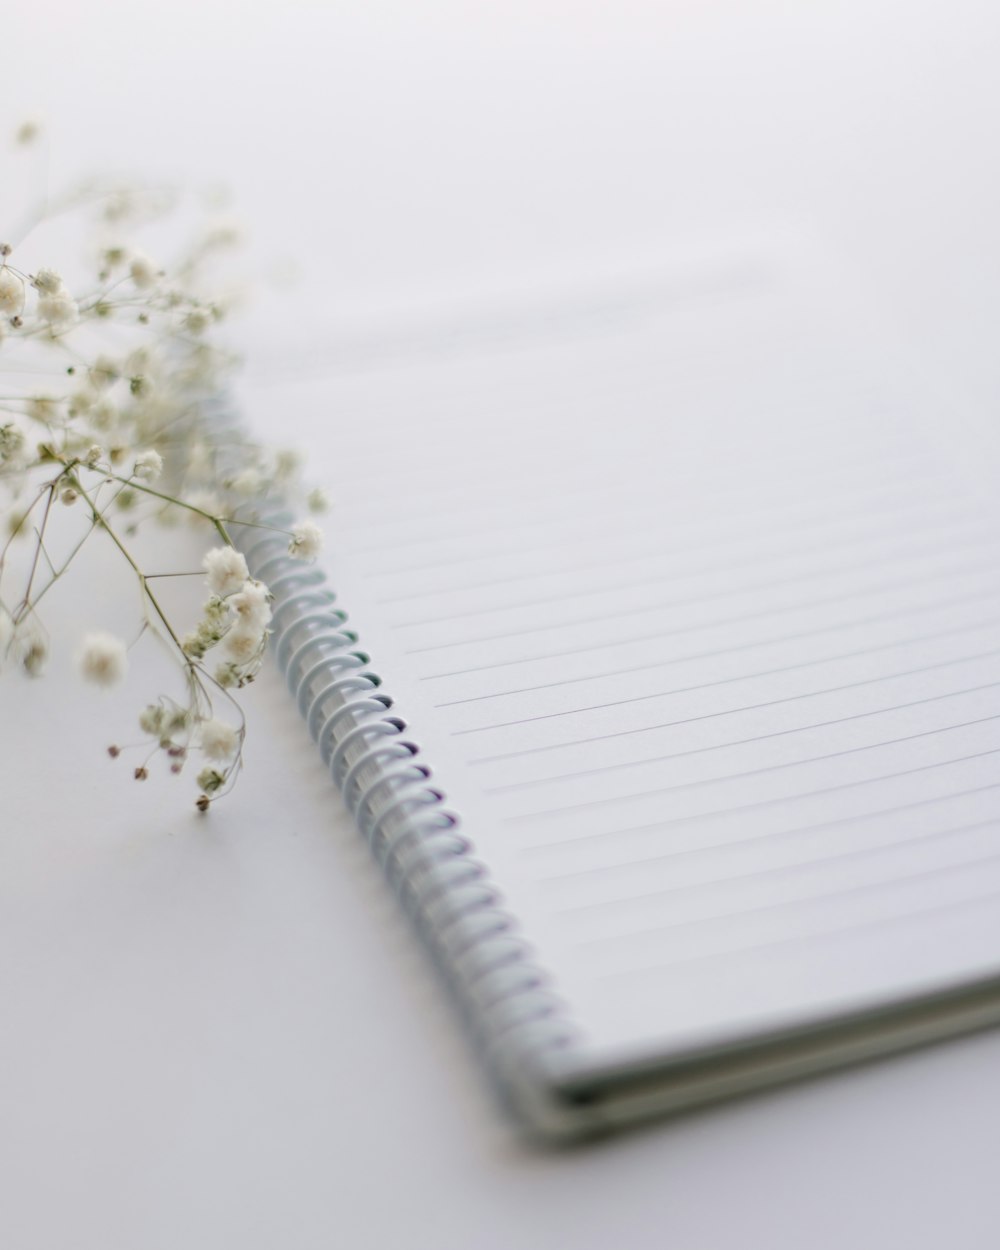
(175, 720)
(151, 720)
(307, 539)
(216, 611)
(102, 659)
(102, 373)
(247, 482)
(197, 320)
(81, 401)
(194, 645)
(228, 675)
(200, 459)
(11, 292)
(243, 644)
(113, 256)
(27, 132)
(287, 463)
(47, 281)
(218, 740)
(142, 412)
(227, 570)
(32, 650)
(43, 408)
(252, 605)
(103, 415)
(224, 234)
(11, 441)
(202, 504)
(58, 309)
(148, 466)
(318, 501)
(142, 271)
(140, 361)
(210, 780)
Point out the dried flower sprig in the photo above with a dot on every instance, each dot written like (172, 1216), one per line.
(109, 421)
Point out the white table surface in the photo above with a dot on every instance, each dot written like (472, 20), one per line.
(220, 1033)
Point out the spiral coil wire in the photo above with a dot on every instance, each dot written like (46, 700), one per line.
(515, 1018)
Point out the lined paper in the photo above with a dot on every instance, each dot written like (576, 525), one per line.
(700, 627)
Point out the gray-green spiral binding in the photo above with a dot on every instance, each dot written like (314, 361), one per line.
(515, 1019)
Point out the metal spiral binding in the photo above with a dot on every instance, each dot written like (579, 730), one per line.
(514, 1017)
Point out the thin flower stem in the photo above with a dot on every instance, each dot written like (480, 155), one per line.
(95, 524)
(24, 519)
(219, 522)
(38, 549)
(100, 519)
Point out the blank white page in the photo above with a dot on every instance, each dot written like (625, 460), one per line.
(694, 603)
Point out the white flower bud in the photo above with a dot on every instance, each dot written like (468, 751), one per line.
(143, 272)
(197, 321)
(219, 741)
(243, 643)
(210, 780)
(102, 659)
(148, 466)
(247, 482)
(28, 132)
(287, 463)
(11, 442)
(151, 720)
(228, 675)
(33, 652)
(252, 606)
(318, 500)
(227, 570)
(11, 292)
(216, 611)
(47, 281)
(193, 645)
(103, 415)
(58, 310)
(103, 372)
(43, 408)
(307, 539)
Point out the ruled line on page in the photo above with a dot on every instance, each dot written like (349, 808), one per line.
(870, 887)
(665, 694)
(623, 535)
(644, 969)
(725, 681)
(896, 614)
(755, 772)
(954, 572)
(776, 801)
(794, 834)
(900, 556)
(654, 549)
(781, 870)
(557, 502)
(739, 742)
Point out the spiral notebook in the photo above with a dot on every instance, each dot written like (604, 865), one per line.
(657, 653)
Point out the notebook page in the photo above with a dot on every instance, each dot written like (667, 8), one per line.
(698, 620)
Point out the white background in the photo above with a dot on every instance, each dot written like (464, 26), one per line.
(220, 1035)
